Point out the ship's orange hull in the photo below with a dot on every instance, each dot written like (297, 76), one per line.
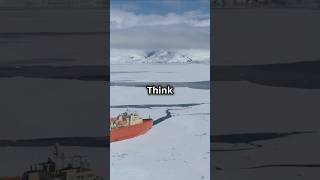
(123, 133)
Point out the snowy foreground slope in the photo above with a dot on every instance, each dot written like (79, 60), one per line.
(177, 148)
(125, 56)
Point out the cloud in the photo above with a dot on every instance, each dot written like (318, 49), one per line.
(120, 19)
(154, 31)
(127, 6)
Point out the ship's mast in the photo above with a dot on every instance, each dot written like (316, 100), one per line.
(62, 159)
(56, 154)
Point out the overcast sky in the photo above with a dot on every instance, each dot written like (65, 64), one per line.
(160, 24)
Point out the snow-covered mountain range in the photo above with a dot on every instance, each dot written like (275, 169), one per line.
(124, 56)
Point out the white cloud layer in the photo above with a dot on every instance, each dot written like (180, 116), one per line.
(190, 30)
(120, 19)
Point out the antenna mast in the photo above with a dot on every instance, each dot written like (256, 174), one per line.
(56, 154)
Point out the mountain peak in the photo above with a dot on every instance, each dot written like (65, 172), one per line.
(165, 57)
(159, 56)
